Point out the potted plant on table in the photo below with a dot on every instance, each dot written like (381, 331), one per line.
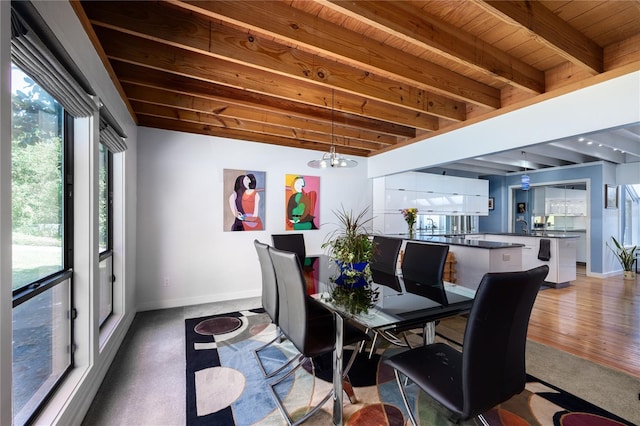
(352, 248)
(626, 256)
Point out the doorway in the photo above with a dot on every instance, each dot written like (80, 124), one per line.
(554, 207)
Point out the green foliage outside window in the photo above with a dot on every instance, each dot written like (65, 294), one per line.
(103, 199)
(36, 179)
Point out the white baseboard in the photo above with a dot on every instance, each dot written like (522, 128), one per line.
(188, 301)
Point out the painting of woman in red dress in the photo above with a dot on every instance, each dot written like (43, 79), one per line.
(245, 202)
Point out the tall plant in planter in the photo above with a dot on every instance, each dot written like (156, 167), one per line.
(626, 256)
(350, 244)
(352, 248)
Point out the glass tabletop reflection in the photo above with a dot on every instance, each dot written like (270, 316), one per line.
(400, 302)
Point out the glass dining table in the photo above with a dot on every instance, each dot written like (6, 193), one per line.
(401, 305)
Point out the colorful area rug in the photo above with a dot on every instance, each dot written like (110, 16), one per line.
(225, 385)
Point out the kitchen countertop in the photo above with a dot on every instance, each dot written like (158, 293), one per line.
(456, 241)
(535, 234)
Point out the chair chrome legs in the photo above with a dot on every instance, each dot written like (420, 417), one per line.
(279, 403)
(256, 353)
(317, 407)
(480, 417)
(373, 344)
(404, 398)
(483, 420)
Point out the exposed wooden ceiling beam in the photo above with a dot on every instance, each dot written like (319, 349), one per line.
(408, 22)
(253, 51)
(190, 108)
(281, 21)
(399, 71)
(547, 27)
(230, 110)
(368, 128)
(134, 50)
(219, 131)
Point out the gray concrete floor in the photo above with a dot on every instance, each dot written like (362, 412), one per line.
(145, 385)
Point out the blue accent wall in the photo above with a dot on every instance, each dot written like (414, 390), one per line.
(498, 188)
(497, 219)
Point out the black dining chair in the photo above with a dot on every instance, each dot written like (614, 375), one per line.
(312, 336)
(491, 367)
(424, 263)
(383, 269)
(270, 304)
(385, 257)
(291, 242)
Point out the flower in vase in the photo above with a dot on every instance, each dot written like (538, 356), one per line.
(410, 215)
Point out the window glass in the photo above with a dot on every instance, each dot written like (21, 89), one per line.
(41, 348)
(42, 319)
(105, 218)
(106, 289)
(631, 230)
(36, 179)
(103, 196)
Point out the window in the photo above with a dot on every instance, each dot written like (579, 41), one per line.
(41, 182)
(631, 230)
(105, 215)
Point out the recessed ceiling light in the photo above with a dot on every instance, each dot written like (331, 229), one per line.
(580, 139)
(590, 142)
(599, 144)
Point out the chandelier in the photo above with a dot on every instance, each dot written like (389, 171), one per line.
(332, 158)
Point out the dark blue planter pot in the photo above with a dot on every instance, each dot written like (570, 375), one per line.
(352, 282)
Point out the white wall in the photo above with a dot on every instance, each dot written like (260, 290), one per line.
(609, 104)
(5, 214)
(180, 210)
(628, 174)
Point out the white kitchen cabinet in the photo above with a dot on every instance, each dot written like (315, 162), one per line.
(439, 203)
(398, 199)
(389, 223)
(476, 187)
(406, 181)
(378, 195)
(562, 261)
(476, 205)
(563, 202)
(454, 204)
(539, 201)
(429, 193)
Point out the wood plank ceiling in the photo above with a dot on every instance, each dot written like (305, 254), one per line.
(374, 74)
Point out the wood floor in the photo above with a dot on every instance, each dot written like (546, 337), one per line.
(595, 319)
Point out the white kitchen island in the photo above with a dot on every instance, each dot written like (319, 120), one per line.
(562, 259)
(477, 254)
(474, 258)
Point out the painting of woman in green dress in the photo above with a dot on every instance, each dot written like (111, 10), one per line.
(302, 202)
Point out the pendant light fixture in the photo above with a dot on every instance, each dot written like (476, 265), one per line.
(332, 158)
(525, 181)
